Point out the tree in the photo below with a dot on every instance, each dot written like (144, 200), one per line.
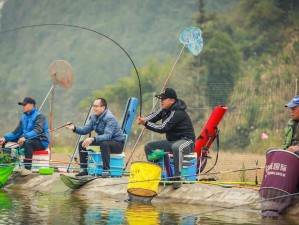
(222, 61)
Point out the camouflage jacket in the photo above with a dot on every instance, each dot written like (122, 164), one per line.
(291, 134)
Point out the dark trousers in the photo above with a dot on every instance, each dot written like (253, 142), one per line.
(106, 147)
(30, 146)
(177, 148)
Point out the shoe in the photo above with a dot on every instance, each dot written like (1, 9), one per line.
(177, 184)
(82, 173)
(18, 169)
(26, 172)
(106, 174)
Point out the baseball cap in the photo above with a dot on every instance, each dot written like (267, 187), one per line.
(293, 103)
(167, 93)
(27, 100)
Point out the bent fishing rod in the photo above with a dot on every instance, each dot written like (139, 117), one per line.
(89, 30)
(49, 131)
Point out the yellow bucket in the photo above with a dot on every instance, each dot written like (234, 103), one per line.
(144, 179)
(149, 214)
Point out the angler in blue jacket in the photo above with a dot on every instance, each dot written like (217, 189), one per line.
(109, 136)
(32, 132)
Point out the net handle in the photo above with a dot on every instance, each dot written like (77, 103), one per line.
(54, 75)
(41, 106)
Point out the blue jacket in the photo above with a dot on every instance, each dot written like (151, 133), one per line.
(31, 125)
(105, 125)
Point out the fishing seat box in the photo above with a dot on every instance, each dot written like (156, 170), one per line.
(95, 164)
(189, 167)
(40, 159)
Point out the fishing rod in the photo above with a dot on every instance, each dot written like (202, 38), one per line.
(49, 131)
(233, 171)
(122, 183)
(87, 29)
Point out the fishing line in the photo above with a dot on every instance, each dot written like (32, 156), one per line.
(219, 183)
(87, 29)
(17, 144)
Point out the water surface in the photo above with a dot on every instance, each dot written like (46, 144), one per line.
(25, 207)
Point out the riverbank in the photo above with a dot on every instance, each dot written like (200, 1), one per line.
(199, 193)
(117, 188)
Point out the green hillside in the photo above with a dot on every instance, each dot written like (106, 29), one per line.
(144, 29)
(249, 61)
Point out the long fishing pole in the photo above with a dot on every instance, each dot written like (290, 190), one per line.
(165, 83)
(87, 29)
(233, 171)
(49, 131)
(125, 183)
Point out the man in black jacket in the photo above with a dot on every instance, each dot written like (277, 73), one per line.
(177, 126)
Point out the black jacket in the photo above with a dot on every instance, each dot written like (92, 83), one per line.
(176, 123)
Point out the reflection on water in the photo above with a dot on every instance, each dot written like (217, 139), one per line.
(57, 208)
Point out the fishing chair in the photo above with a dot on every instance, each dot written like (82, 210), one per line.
(188, 172)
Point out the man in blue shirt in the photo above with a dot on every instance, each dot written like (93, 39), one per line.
(109, 136)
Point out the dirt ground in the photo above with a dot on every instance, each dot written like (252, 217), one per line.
(224, 170)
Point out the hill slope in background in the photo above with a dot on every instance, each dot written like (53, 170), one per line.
(145, 29)
(250, 52)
